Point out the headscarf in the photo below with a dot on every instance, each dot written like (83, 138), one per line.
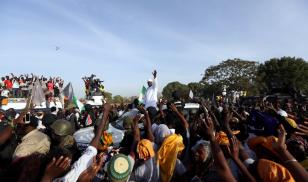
(222, 138)
(145, 149)
(270, 171)
(201, 142)
(206, 145)
(167, 156)
(291, 122)
(266, 142)
(282, 113)
(160, 133)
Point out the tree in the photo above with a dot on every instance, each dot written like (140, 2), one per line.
(197, 88)
(175, 86)
(287, 73)
(118, 99)
(202, 89)
(108, 96)
(236, 74)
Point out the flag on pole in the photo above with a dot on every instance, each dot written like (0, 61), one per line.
(142, 94)
(79, 104)
(69, 96)
(37, 94)
(88, 120)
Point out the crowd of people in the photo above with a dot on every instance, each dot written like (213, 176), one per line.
(93, 86)
(19, 86)
(263, 142)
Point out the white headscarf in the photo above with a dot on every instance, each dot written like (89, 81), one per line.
(160, 133)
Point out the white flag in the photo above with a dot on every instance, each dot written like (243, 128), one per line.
(38, 96)
(191, 94)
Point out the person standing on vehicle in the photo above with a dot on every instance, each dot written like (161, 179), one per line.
(150, 99)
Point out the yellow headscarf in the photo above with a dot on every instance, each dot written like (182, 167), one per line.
(270, 171)
(145, 149)
(167, 155)
(292, 122)
(222, 138)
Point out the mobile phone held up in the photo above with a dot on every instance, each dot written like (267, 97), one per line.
(27, 118)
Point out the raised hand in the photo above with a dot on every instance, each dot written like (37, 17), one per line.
(56, 168)
(93, 169)
(298, 171)
(204, 106)
(141, 109)
(154, 73)
(233, 148)
(173, 107)
(280, 145)
(302, 129)
(227, 116)
(208, 128)
(136, 119)
(161, 103)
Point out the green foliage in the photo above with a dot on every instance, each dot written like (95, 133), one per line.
(175, 86)
(286, 72)
(202, 89)
(118, 99)
(197, 88)
(108, 96)
(236, 74)
(129, 99)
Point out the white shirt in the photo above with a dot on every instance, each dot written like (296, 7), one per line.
(148, 171)
(15, 84)
(79, 166)
(40, 124)
(150, 99)
(5, 93)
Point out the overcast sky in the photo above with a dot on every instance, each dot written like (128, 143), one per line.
(123, 41)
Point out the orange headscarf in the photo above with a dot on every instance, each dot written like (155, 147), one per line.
(145, 149)
(270, 171)
(266, 142)
(222, 138)
(167, 156)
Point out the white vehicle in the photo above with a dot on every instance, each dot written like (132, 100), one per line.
(95, 101)
(20, 103)
(191, 106)
(119, 122)
(84, 136)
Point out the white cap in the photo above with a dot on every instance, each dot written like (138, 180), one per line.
(150, 80)
(283, 113)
